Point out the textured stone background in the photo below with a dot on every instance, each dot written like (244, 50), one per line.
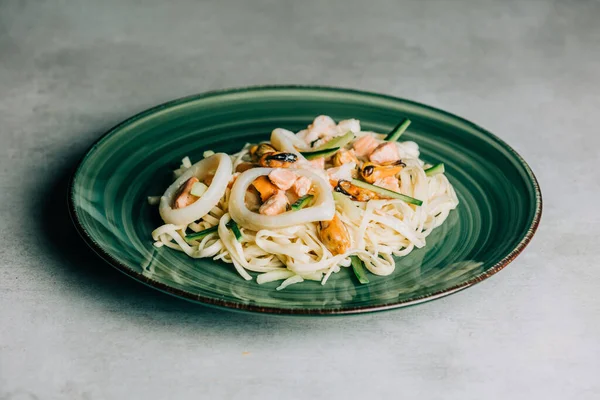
(73, 328)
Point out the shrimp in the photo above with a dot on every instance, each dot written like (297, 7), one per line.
(322, 126)
(302, 186)
(276, 204)
(389, 182)
(318, 163)
(282, 178)
(385, 153)
(365, 145)
(348, 125)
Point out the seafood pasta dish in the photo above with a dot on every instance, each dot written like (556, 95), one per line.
(304, 205)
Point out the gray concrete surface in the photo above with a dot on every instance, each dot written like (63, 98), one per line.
(73, 328)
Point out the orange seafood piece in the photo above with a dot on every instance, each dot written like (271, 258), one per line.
(283, 178)
(334, 235)
(302, 186)
(389, 182)
(183, 197)
(344, 156)
(371, 172)
(365, 145)
(275, 204)
(264, 187)
(385, 153)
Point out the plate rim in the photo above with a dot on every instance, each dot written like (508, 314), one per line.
(253, 308)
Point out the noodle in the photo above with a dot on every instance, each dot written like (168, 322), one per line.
(289, 247)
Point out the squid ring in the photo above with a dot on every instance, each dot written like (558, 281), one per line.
(221, 164)
(322, 210)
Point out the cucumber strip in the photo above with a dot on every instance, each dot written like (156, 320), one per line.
(201, 234)
(302, 202)
(231, 225)
(198, 189)
(338, 141)
(359, 269)
(311, 155)
(235, 229)
(398, 131)
(386, 192)
(435, 170)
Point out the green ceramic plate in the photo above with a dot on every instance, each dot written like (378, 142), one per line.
(499, 211)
